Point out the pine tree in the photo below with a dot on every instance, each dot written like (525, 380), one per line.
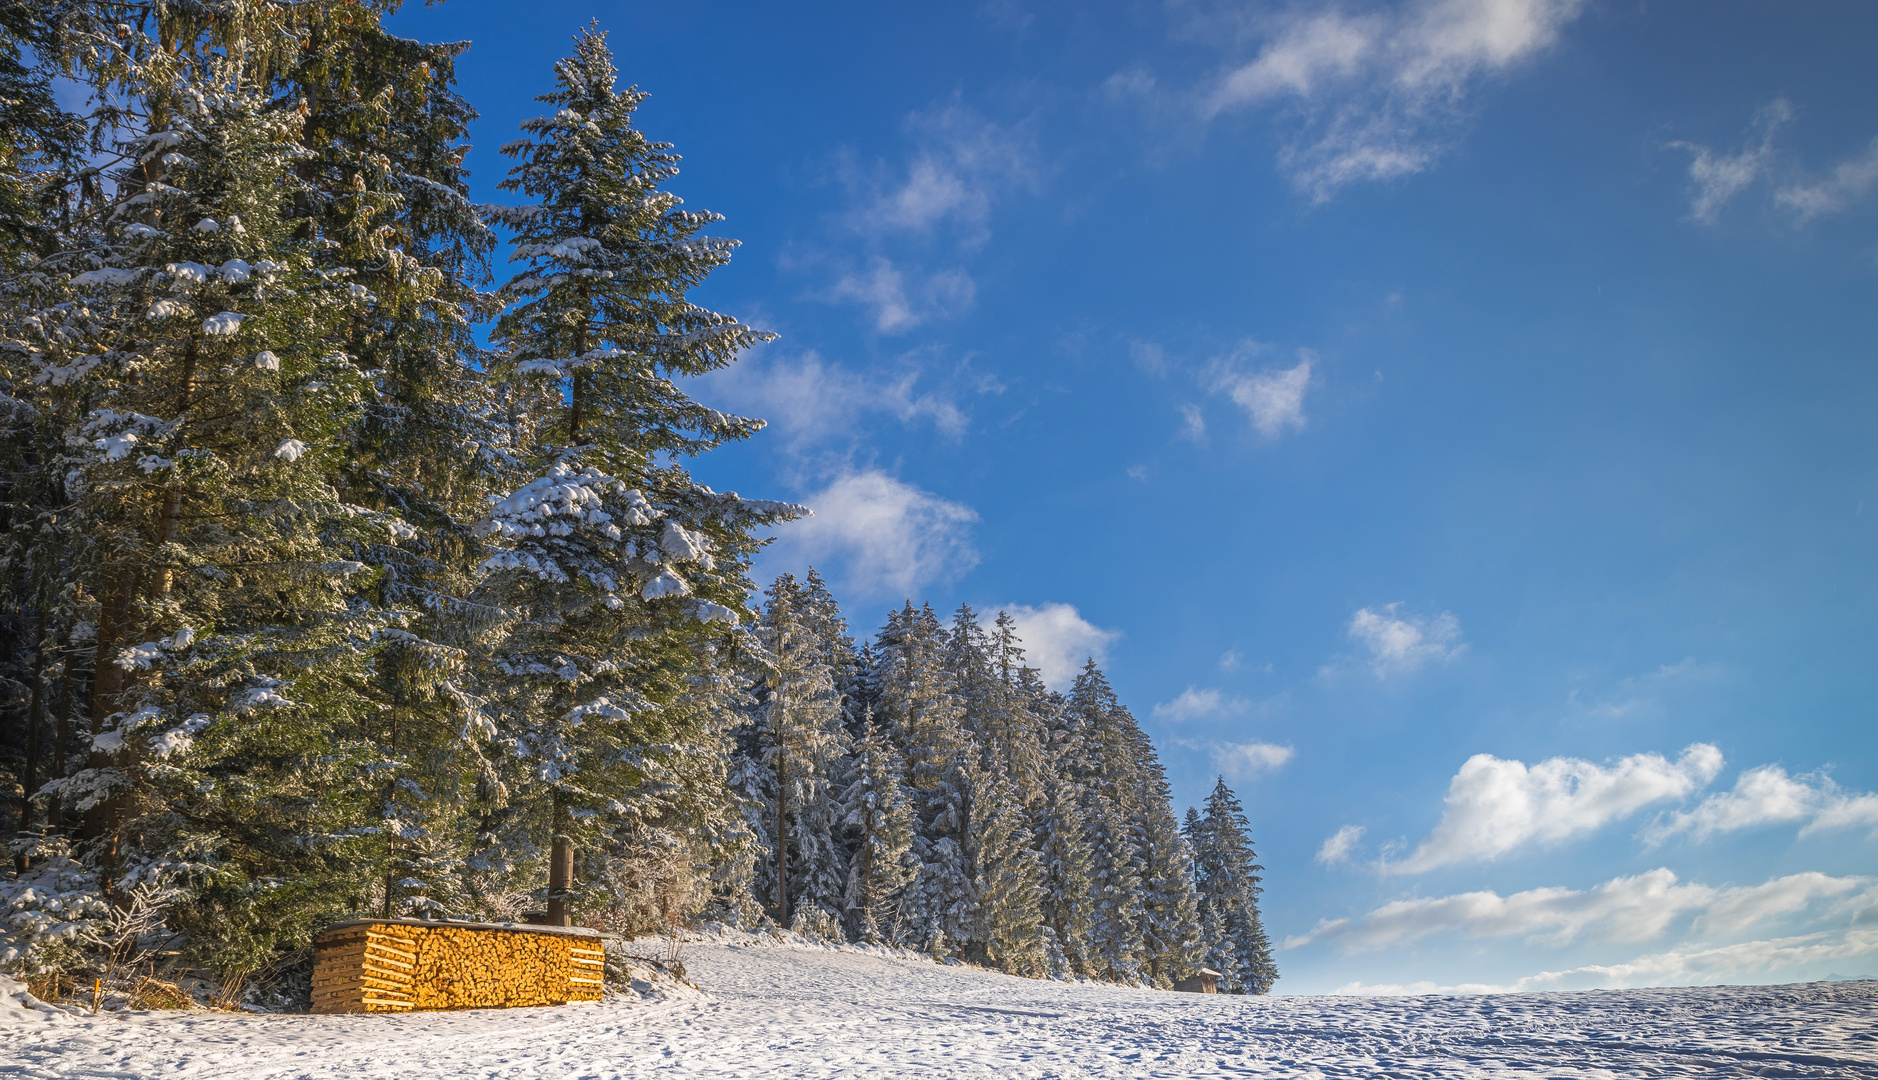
(986, 667)
(385, 190)
(192, 351)
(917, 703)
(39, 141)
(1225, 864)
(1170, 905)
(1007, 878)
(799, 723)
(616, 562)
(876, 810)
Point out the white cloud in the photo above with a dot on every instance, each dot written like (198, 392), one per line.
(963, 163)
(1402, 643)
(1135, 82)
(1058, 640)
(1739, 909)
(1623, 909)
(1192, 423)
(1851, 181)
(1374, 92)
(1229, 660)
(899, 304)
(1148, 356)
(1244, 761)
(1853, 812)
(1798, 957)
(1341, 847)
(1715, 179)
(1708, 964)
(1195, 704)
(1495, 806)
(1767, 796)
(807, 400)
(889, 537)
(1273, 398)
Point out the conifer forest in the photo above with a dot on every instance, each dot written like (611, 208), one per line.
(358, 559)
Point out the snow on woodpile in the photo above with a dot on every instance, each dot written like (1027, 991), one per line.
(400, 965)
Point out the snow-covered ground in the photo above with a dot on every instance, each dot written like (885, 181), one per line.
(787, 1011)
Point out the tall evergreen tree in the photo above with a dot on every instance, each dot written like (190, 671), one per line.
(616, 563)
(1228, 872)
(916, 700)
(1007, 878)
(880, 819)
(799, 725)
(196, 353)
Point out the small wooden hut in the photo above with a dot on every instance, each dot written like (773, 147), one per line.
(1205, 981)
(400, 965)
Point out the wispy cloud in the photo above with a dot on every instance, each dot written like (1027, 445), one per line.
(1796, 956)
(901, 301)
(1624, 909)
(1341, 846)
(1767, 796)
(1058, 640)
(1850, 181)
(1401, 642)
(1242, 761)
(1716, 178)
(887, 538)
(1192, 424)
(1495, 806)
(1195, 704)
(962, 164)
(1376, 95)
(913, 217)
(1272, 397)
(808, 400)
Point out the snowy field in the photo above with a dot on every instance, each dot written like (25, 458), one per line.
(785, 1011)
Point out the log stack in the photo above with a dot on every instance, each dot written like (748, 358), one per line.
(401, 965)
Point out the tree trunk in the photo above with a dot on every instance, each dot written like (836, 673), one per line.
(782, 834)
(62, 743)
(35, 719)
(101, 821)
(560, 865)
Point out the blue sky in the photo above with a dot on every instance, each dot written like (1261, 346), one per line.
(1451, 419)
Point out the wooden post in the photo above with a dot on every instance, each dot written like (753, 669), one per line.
(560, 865)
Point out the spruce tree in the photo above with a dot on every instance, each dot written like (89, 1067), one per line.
(1228, 873)
(880, 820)
(1007, 878)
(916, 700)
(194, 350)
(620, 569)
(799, 725)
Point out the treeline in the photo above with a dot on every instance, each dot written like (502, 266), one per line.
(314, 605)
(927, 788)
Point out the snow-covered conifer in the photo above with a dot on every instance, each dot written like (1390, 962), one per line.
(618, 568)
(915, 699)
(1226, 866)
(1007, 878)
(800, 730)
(880, 820)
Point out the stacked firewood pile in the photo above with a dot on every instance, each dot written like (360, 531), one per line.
(397, 965)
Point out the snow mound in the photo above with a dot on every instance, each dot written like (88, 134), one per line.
(19, 1008)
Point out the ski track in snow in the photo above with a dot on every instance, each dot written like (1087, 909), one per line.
(803, 1011)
